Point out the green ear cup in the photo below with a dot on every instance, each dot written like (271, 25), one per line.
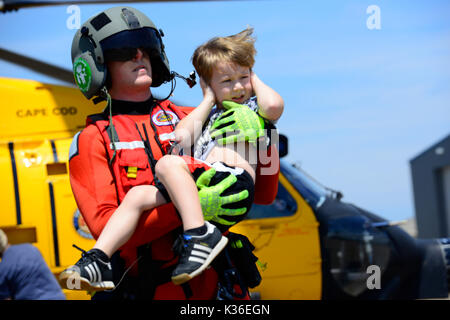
(83, 74)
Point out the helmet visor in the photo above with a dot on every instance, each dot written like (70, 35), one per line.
(123, 46)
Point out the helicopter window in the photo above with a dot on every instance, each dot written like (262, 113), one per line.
(352, 246)
(283, 205)
(56, 168)
(312, 192)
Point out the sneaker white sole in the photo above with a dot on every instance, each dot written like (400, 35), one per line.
(73, 281)
(185, 277)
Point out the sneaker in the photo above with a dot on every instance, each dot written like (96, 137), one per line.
(92, 272)
(197, 253)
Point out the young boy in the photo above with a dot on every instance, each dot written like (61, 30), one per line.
(224, 65)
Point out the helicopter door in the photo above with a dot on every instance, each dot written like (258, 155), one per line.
(286, 239)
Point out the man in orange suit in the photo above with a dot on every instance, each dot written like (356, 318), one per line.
(117, 56)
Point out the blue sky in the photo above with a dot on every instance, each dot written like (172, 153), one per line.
(359, 103)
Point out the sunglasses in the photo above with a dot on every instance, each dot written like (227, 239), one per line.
(126, 54)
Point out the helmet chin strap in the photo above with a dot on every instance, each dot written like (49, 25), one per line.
(102, 96)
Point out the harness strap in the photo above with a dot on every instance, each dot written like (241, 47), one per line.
(148, 150)
(151, 275)
(228, 277)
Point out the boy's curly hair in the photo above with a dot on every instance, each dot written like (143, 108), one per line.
(238, 48)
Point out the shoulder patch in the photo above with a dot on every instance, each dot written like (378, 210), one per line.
(165, 118)
(73, 151)
(81, 226)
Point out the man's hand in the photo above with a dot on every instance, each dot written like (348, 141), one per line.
(212, 202)
(239, 123)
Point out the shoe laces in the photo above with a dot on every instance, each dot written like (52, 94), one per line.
(90, 255)
(85, 255)
(181, 243)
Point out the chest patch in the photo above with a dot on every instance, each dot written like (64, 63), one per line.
(167, 118)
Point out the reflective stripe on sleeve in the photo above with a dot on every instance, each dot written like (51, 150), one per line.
(128, 145)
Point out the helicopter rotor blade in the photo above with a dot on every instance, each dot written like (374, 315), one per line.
(38, 66)
(10, 5)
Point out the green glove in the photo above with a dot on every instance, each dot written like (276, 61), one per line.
(240, 120)
(212, 202)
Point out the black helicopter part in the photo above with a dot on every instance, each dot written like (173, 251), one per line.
(353, 240)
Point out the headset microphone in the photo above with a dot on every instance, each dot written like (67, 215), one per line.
(191, 81)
